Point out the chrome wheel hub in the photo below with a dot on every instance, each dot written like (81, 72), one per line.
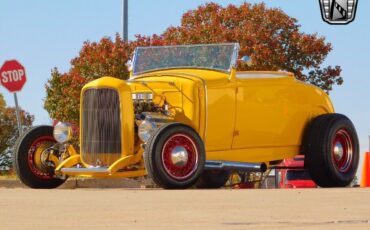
(338, 151)
(179, 156)
(342, 151)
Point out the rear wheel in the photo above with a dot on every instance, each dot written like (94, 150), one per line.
(174, 156)
(32, 158)
(213, 179)
(332, 151)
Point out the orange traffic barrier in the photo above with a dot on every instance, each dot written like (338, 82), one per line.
(365, 175)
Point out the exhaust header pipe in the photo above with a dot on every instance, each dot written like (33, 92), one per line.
(228, 165)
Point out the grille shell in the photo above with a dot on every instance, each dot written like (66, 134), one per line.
(101, 127)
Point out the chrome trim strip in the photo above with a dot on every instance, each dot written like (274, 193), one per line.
(170, 46)
(132, 80)
(85, 170)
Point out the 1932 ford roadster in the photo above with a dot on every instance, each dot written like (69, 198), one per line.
(186, 117)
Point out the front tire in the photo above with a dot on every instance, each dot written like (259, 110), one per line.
(332, 151)
(174, 156)
(27, 158)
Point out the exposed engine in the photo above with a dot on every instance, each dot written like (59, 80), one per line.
(149, 116)
(143, 102)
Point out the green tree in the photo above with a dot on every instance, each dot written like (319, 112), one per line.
(9, 131)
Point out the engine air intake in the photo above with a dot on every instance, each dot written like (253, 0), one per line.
(101, 127)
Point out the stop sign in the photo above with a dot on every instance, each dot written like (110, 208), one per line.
(12, 75)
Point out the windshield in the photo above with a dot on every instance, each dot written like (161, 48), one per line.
(220, 57)
(298, 175)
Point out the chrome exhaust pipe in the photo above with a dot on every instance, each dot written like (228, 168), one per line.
(238, 166)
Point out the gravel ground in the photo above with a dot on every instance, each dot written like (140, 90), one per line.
(184, 209)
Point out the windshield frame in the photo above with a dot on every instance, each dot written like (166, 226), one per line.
(233, 60)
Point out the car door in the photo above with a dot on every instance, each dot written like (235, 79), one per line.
(269, 113)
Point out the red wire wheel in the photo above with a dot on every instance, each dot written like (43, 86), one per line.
(180, 156)
(34, 156)
(331, 149)
(174, 156)
(342, 150)
(30, 159)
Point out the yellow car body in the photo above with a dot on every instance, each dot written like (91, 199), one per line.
(243, 116)
(186, 117)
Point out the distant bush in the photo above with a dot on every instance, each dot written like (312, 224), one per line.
(6, 160)
(9, 132)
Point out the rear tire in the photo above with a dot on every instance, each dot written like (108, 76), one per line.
(332, 150)
(211, 179)
(24, 158)
(174, 156)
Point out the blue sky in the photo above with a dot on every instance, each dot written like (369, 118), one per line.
(43, 34)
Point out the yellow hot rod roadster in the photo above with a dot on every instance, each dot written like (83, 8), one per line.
(186, 118)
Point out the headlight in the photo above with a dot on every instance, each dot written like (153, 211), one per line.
(62, 132)
(146, 130)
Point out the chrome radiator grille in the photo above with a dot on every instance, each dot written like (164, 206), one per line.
(101, 127)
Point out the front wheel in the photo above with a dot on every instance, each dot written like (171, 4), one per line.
(174, 156)
(332, 153)
(31, 158)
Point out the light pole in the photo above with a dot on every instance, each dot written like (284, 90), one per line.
(125, 20)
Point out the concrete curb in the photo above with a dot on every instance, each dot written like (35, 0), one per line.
(73, 183)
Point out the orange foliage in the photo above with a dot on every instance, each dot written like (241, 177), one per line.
(269, 36)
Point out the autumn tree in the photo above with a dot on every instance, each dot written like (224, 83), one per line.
(9, 131)
(269, 36)
(96, 59)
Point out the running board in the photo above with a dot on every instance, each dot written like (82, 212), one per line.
(239, 166)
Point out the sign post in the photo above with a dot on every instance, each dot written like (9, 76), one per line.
(17, 114)
(13, 78)
(125, 20)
